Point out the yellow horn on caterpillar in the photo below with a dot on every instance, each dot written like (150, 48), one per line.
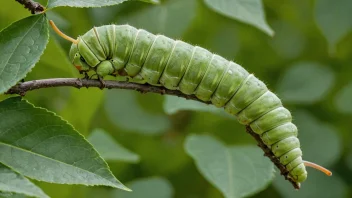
(318, 167)
(56, 29)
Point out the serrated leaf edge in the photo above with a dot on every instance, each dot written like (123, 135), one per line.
(66, 122)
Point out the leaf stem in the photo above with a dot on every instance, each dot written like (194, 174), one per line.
(32, 6)
(24, 87)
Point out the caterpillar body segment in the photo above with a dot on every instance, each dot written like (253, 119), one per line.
(262, 105)
(229, 84)
(158, 56)
(195, 70)
(141, 46)
(177, 64)
(270, 120)
(158, 60)
(212, 77)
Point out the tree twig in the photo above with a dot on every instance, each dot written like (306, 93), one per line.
(32, 6)
(24, 87)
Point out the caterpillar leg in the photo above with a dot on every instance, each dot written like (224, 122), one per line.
(102, 82)
(86, 77)
(140, 80)
(103, 69)
(85, 73)
(99, 78)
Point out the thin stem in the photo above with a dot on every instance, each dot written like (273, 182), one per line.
(22, 88)
(32, 6)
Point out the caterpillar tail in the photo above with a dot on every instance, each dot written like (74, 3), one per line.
(317, 167)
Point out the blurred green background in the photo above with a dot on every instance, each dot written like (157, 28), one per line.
(308, 63)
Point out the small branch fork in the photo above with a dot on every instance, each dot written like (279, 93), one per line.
(32, 6)
(24, 87)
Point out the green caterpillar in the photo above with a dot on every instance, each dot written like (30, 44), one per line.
(158, 60)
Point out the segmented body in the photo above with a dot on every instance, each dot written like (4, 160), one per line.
(159, 60)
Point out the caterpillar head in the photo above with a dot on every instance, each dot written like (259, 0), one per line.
(83, 58)
(77, 59)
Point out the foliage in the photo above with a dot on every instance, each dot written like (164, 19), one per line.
(38, 144)
(164, 146)
(21, 45)
(210, 156)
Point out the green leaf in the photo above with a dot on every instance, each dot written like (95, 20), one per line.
(237, 171)
(16, 183)
(246, 11)
(89, 3)
(21, 45)
(123, 109)
(305, 82)
(154, 187)
(333, 17)
(110, 149)
(317, 185)
(314, 135)
(343, 99)
(38, 144)
(173, 104)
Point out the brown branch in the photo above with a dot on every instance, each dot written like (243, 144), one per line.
(24, 87)
(32, 6)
